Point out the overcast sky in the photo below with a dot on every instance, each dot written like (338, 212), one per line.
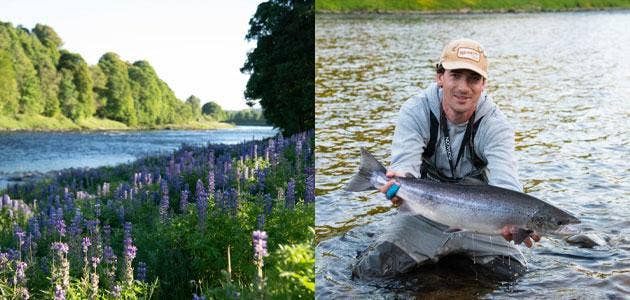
(197, 47)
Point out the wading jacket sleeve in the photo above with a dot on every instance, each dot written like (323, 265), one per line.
(494, 140)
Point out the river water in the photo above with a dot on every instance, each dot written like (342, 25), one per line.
(25, 153)
(562, 79)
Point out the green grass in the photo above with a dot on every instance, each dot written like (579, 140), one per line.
(461, 6)
(36, 123)
(101, 124)
(22, 122)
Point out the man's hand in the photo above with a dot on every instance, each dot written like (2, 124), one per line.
(509, 230)
(390, 174)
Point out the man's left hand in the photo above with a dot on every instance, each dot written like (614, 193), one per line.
(508, 231)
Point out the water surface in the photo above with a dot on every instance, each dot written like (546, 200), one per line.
(24, 153)
(562, 79)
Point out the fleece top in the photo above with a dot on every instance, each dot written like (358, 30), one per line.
(494, 140)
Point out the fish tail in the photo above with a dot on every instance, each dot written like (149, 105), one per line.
(361, 180)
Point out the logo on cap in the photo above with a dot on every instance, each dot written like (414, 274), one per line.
(468, 53)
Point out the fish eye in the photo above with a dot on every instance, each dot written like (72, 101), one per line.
(559, 222)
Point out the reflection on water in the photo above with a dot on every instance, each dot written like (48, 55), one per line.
(563, 79)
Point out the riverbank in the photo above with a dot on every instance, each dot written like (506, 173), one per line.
(452, 6)
(41, 123)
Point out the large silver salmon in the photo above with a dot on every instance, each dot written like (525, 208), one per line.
(479, 208)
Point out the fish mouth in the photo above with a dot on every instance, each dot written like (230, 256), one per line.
(569, 229)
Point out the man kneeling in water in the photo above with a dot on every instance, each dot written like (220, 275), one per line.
(453, 113)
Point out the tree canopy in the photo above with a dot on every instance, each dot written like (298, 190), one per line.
(38, 77)
(282, 66)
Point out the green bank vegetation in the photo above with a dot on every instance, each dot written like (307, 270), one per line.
(45, 87)
(464, 6)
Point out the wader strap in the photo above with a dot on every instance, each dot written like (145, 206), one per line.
(429, 150)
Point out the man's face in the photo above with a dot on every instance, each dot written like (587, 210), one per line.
(462, 89)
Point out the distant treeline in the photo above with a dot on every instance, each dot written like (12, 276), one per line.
(457, 5)
(241, 117)
(37, 77)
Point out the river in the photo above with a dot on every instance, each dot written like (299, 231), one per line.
(24, 154)
(563, 81)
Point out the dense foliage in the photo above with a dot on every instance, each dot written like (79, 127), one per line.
(162, 227)
(37, 77)
(282, 66)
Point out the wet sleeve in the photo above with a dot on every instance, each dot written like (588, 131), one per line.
(498, 149)
(410, 136)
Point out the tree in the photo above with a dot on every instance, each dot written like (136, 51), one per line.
(195, 105)
(214, 110)
(119, 105)
(282, 66)
(75, 88)
(8, 86)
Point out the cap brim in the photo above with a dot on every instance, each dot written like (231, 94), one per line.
(452, 65)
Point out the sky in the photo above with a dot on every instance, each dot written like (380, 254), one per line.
(197, 47)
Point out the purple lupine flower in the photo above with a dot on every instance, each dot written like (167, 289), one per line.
(60, 226)
(259, 241)
(142, 271)
(86, 245)
(130, 253)
(211, 182)
(108, 254)
(130, 249)
(202, 204)
(19, 271)
(92, 226)
(97, 209)
(289, 201)
(95, 261)
(60, 247)
(164, 203)
(127, 227)
(231, 197)
(107, 231)
(20, 234)
(200, 297)
(310, 189)
(183, 200)
(61, 269)
(60, 293)
(116, 291)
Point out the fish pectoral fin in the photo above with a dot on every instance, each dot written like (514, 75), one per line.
(453, 229)
(520, 235)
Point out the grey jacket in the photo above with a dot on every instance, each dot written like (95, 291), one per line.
(494, 140)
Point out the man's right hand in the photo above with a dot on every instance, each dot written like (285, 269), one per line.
(391, 174)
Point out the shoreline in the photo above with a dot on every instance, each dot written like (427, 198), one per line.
(464, 11)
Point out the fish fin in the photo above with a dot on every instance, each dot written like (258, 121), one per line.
(520, 235)
(452, 230)
(361, 180)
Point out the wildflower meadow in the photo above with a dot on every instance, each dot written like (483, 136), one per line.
(202, 222)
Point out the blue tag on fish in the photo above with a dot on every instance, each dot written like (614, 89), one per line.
(391, 192)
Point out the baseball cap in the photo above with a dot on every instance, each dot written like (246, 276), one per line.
(465, 54)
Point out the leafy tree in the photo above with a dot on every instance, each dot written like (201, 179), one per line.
(282, 66)
(120, 104)
(146, 93)
(195, 105)
(8, 85)
(214, 110)
(76, 95)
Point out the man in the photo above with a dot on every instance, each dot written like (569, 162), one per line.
(450, 133)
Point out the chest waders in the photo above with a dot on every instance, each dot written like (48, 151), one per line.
(428, 169)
